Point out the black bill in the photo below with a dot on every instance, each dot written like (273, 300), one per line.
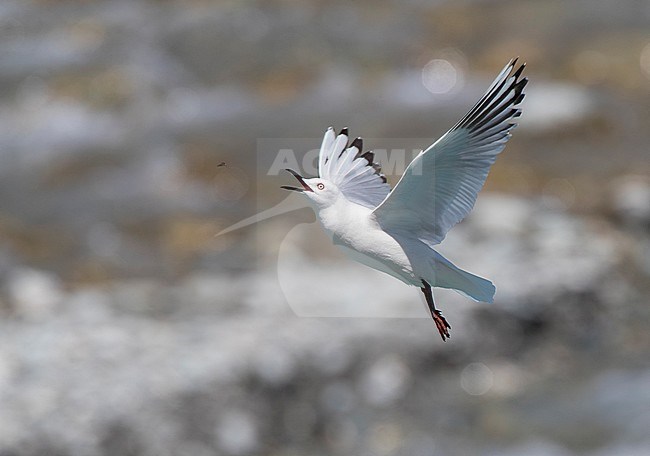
(305, 187)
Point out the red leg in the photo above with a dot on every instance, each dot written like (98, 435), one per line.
(439, 320)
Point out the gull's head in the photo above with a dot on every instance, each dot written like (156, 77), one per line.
(320, 192)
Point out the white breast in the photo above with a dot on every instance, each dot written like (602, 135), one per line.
(354, 231)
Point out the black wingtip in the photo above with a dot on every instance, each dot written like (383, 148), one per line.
(519, 99)
(344, 131)
(358, 143)
(369, 156)
(519, 88)
(519, 71)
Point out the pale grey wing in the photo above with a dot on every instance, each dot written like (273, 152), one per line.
(353, 172)
(440, 186)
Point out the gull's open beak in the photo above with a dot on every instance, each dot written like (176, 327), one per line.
(305, 187)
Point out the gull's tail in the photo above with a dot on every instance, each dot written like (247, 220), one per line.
(447, 275)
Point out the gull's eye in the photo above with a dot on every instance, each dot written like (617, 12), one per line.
(320, 186)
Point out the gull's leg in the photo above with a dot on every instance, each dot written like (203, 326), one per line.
(440, 321)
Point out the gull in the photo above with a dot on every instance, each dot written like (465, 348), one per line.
(396, 231)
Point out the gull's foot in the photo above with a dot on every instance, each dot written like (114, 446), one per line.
(441, 324)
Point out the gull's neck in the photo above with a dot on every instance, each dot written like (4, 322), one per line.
(343, 215)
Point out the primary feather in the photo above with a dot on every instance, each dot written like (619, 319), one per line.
(354, 173)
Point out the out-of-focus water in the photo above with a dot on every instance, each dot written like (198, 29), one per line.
(128, 327)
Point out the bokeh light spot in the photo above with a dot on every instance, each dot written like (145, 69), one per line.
(440, 76)
(645, 60)
(476, 379)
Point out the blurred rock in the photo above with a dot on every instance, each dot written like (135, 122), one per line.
(34, 295)
(528, 249)
(555, 106)
(229, 368)
(236, 433)
(631, 199)
(385, 382)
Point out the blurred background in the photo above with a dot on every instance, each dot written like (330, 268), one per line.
(128, 328)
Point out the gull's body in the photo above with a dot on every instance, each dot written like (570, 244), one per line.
(355, 231)
(395, 231)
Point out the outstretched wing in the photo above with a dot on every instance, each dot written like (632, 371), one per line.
(353, 172)
(439, 187)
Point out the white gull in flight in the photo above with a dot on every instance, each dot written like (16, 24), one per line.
(396, 231)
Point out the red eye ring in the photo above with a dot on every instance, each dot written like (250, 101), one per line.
(320, 186)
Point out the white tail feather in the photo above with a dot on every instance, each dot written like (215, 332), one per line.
(447, 275)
